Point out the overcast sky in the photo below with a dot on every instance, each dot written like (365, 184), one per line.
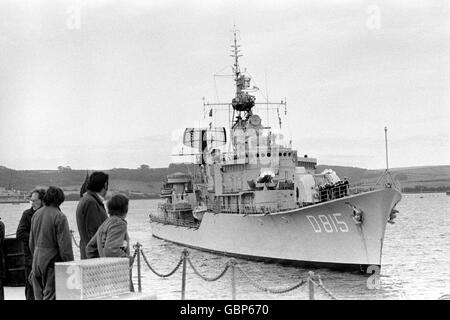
(108, 84)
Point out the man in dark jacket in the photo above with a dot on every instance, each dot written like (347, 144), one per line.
(2, 260)
(90, 210)
(50, 242)
(23, 234)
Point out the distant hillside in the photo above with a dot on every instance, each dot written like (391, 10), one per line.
(354, 174)
(147, 182)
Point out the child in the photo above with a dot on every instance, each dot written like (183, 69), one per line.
(111, 238)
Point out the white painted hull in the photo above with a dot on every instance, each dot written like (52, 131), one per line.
(321, 234)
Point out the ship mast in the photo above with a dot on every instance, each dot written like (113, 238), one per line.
(243, 102)
(386, 144)
(236, 69)
(386, 172)
(236, 56)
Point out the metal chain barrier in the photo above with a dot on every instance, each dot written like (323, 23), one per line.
(320, 285)
(74, 240)
(204, 277)
(278, 291)
(159, 274)
(230, 264)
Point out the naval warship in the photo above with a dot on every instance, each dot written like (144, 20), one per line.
(261, 200)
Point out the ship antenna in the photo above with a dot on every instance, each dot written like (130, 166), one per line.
(242, 102)
(386, 143)
(204, 105)
(267, 101)
(236, 55)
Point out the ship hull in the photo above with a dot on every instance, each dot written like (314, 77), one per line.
(324, 234)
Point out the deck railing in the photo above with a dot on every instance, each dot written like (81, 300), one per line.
(333, 192)
(181, 222)
(166, 207)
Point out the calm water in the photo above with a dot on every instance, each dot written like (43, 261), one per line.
(416, 259)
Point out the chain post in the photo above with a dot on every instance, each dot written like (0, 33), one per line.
(183, 279)
(131, 279)
(311, 285)
(233, 263)
(137, 247)
(131, 272)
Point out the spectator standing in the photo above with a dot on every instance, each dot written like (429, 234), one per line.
(23, 234)
(50, 242)
(90, 211)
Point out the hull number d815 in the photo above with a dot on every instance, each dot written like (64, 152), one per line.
(328, 223)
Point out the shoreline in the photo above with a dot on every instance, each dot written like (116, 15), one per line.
(417, 192)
